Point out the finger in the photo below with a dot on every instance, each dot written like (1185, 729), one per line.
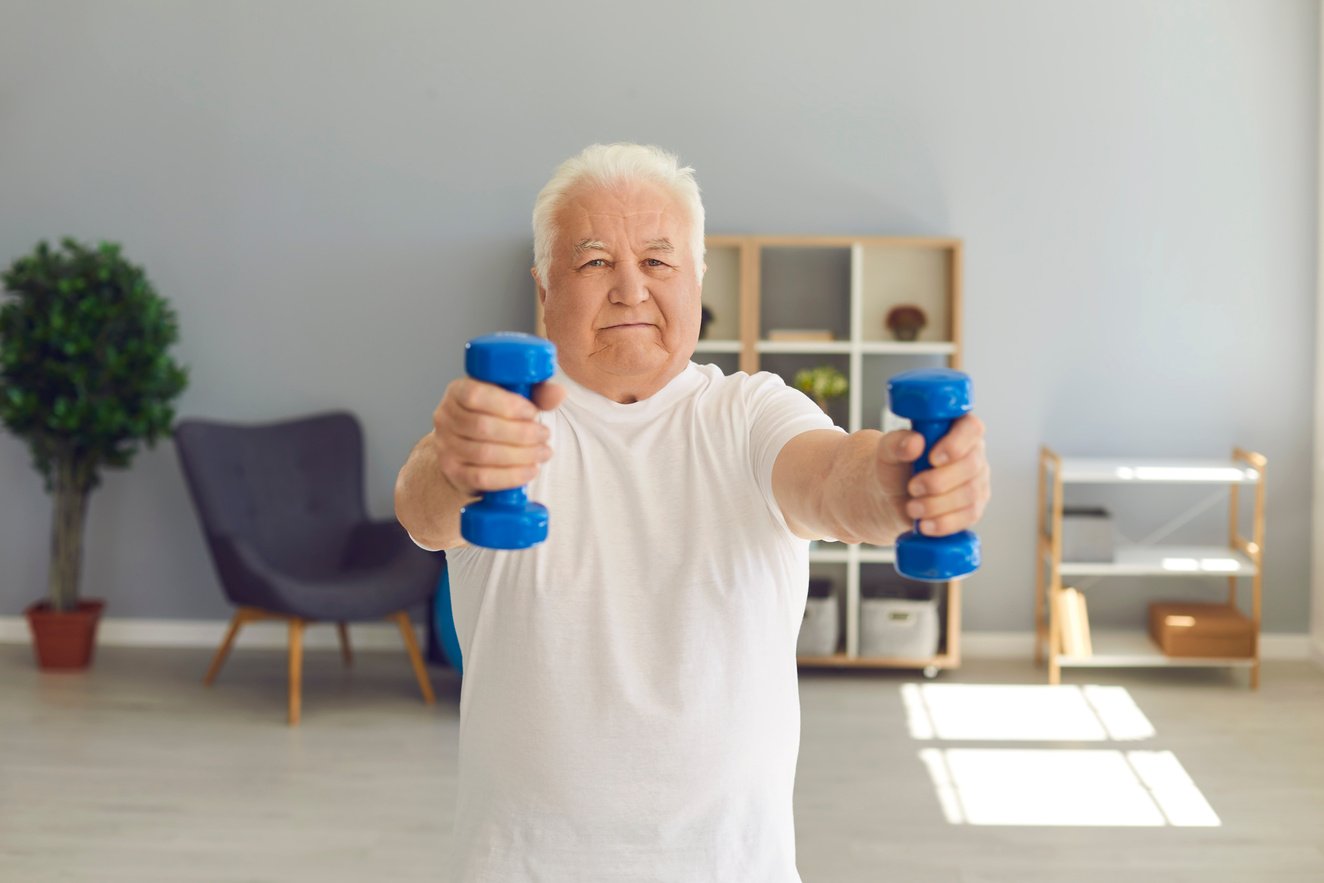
(960, 439)
(468, 452)
(488, 398)
(460, 424)
(900, 446)
(453, 421)
(549, 395)
(941, 479)
(945, 525)
(967, 496)
(495, 478)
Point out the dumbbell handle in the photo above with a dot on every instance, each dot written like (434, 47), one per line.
(515, 496)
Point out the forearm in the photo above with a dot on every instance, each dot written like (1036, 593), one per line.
(855, 503)
(426, 503)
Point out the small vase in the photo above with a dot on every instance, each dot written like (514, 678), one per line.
(64, 641)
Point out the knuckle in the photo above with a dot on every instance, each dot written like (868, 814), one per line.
(466, 393)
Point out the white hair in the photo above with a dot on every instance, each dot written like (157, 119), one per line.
(608, 164)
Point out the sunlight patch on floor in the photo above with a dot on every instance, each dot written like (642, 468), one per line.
(1054, 786)
(1065, 787)
(1023, 713)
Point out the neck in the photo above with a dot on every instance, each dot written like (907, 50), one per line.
(624, 390)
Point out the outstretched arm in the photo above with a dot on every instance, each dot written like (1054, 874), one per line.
(483, 438)
(858, 488)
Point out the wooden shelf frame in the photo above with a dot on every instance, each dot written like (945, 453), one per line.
(944, 252)
(1241, 558)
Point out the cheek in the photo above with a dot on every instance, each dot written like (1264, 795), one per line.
(567, 310)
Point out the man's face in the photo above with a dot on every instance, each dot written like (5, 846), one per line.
(622, 299)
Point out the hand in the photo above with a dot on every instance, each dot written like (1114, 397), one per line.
(489, 439)
(952, 495)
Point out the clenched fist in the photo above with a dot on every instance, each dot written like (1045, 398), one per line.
(952, 495)
(486, 438)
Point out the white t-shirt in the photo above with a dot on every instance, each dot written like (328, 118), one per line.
(630, 709)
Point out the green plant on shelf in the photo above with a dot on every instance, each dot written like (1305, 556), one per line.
(821, 383)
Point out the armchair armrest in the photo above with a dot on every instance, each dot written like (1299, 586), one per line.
(373, 543)
(246, 576)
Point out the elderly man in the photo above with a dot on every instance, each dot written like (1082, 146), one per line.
(630, 708)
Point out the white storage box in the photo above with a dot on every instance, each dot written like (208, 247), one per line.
(899, 628)
(820, 629)
(1087, 534)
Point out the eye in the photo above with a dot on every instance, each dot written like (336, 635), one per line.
(654, 262)
(596, 263)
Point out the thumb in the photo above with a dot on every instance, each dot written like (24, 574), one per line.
(548, 395)
(900, 446)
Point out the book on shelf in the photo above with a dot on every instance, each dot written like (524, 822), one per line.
(1074, 622)
(801, 335)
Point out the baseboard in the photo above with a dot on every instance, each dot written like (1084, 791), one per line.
(1020, 645)
(132, 632)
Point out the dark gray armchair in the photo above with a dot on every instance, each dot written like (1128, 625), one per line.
(283, 513)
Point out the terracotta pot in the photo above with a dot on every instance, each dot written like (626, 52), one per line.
(64, 641)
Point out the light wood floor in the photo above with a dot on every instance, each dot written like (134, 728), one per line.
(135, 772)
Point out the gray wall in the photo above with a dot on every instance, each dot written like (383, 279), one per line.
(336, 195)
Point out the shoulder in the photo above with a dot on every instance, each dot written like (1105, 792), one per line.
(739, 385)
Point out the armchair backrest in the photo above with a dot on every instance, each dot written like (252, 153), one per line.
(292, 489)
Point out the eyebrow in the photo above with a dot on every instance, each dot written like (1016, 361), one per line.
(584, 245)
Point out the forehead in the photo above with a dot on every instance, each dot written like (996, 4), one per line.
(631, 211)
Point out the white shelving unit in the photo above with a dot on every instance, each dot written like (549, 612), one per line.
(845, 285)
(1240, 558)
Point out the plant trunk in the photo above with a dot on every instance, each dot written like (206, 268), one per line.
(68, 515)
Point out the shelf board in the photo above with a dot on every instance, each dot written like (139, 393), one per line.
(829, 552)
(824, 347)
(1112, 470)
(840, 553)
(1165, 561)
(1138, 650)
(877, 554)
(918, 348)
(868, 347)
(841, 660)
(717, 346)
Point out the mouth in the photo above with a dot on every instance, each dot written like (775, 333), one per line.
(628, 325)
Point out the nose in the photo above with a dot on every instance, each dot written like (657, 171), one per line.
(629, 285)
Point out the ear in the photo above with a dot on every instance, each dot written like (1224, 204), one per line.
(542, 292)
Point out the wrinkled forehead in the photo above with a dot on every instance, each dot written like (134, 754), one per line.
(632, 214)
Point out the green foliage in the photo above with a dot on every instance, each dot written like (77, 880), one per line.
(84, 370)
(821, 383)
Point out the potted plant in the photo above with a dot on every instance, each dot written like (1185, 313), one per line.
(84, 377)
(821, 384)
(906, 322)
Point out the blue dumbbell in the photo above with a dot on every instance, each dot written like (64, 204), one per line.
(932, 398)
(507, 519)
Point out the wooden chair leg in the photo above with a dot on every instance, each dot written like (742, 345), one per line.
(240, 617)
(415, 658)
(344, 643)
(296, 668)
